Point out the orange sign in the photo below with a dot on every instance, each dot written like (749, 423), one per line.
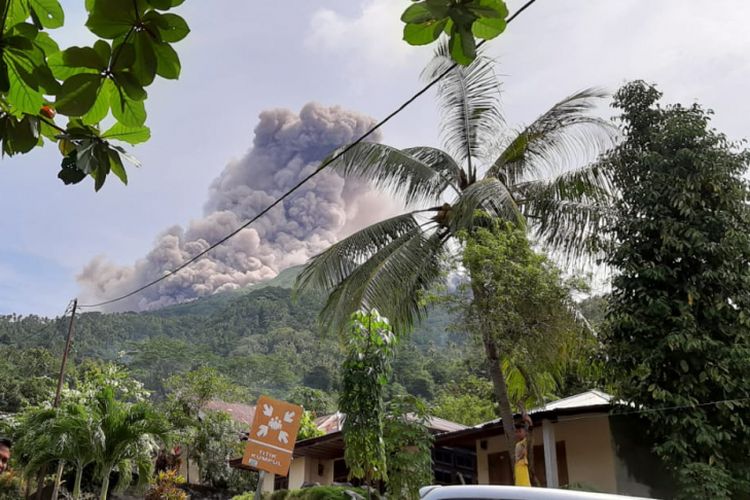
(272, 436)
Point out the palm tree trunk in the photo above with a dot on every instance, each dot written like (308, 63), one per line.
(501, 394)
(58, 479)
(105, 483)
(77, 484)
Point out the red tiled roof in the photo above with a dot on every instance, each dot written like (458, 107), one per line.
(239, 412)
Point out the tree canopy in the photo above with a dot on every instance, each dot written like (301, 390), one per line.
(679, 332)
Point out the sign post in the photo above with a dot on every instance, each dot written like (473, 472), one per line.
(273, 433)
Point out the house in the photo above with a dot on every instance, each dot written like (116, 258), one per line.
(578, 441)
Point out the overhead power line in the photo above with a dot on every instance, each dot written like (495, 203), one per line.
(320, 168)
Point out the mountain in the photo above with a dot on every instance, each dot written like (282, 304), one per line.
(260, 336)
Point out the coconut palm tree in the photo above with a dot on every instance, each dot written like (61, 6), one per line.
(542, 177)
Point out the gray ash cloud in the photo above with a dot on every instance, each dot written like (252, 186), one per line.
(287, 147)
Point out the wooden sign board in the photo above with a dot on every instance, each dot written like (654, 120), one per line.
(273, 434)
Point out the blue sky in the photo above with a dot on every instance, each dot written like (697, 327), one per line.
(245, 57)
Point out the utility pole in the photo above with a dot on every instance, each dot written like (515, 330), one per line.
(68, 341)
(58, 393)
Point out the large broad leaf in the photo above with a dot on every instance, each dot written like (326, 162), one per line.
(78, 94)
(62, 71)
(462, 45)
(49, 13)
(100, 109)
(131, 135)
(418, 13)
(112, 18)
(84, 57)
(70, 173)
(127, 111)
(488, 27)
(171, 27)
(144, 67)
(128, 83)
(425, 33)
(22, 97)
(19, 136)
(116, 166)
(167, 61)
(18, 12)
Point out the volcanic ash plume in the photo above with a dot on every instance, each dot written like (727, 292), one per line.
(286, 148)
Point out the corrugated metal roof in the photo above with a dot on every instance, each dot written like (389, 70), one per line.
(442, 425)
(593, 397)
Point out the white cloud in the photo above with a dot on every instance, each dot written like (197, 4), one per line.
(371, 40)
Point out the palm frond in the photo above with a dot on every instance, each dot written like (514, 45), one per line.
(409, 178)
(392, 281)
(442, 163)
(489, 195)
(470, 101)
(328, 269)
(561, 139)
(564, 224)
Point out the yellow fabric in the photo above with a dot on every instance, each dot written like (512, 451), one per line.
(522, 473)
(522, 465)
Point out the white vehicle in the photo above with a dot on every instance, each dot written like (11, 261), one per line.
(474, 492)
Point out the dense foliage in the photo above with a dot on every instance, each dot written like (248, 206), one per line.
(462, 21)
(364, 375)
(679, 333)
(38, 80)
(521, 309)
(262, 341)
(408, 447)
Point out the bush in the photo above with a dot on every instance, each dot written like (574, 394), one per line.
(167, 487)
(314, 493)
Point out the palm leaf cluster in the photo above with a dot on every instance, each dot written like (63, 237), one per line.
(543, 177)
(104, 432)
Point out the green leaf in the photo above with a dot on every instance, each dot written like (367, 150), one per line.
(22, 97)
(116, 166)
(126, 82)
(18, 12)
(172, 28)
(144, 67)
(490, 9)
(459, 43)
(124, 56)
(69, 172)
(49, 12)
(167, 61)
(439, 8)
(4, 81)
(78, 94)
(488, 28)
(104, 50)
(127, 111)
(418, 13)
(131, 135)
(112, 18)
(19, 136)
(46, 43)
(423, 34)
(100, 109)
(62, 71)
(84, 57)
